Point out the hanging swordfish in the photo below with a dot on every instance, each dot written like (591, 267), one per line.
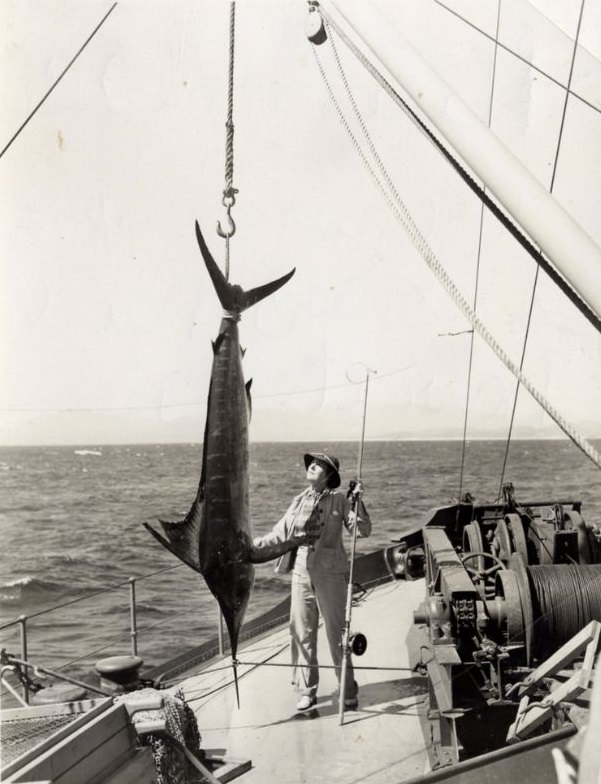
(215, 537)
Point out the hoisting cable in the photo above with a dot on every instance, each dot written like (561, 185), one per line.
(479, 254)
(39, 104)
(511, 227)
(535, 283)
(229, 198)
(402, 214)
(229, 192)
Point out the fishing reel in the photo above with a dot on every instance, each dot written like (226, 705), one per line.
(354, 492)
(357, 644)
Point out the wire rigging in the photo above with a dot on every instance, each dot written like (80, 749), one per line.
(421, 244)
(56, 82)
(289, 393)
(519, 57)
(536, 273)
(494, 208)
(479, 255)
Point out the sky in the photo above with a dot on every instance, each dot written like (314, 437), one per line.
(107, 310)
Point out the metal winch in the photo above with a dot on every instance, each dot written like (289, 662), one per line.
(511, 589)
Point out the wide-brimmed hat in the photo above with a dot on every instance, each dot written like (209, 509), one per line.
(331, 464)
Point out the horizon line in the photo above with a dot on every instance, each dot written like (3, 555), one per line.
(296, 441)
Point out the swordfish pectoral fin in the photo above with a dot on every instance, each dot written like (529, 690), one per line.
(181, 538)
(269, 552)
(233, 298)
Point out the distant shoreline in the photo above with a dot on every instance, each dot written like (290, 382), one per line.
(406, 439)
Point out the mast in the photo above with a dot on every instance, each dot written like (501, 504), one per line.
(570, 249)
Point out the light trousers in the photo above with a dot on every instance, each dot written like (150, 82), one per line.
(322, 594)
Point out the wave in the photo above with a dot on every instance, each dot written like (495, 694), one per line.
(87, 452)
(28, 587)
(82, 532)
(70, 559)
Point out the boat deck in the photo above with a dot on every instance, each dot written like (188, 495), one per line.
(381, 741)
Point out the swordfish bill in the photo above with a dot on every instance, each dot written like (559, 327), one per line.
(215, 537)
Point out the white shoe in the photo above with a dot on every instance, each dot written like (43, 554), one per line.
(306, 701)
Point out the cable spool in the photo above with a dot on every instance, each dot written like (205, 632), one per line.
(473, 542)
(564, 599)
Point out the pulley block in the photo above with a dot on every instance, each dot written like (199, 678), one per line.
(314, 27)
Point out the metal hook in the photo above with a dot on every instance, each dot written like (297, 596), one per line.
(228, 201)
(232, 226)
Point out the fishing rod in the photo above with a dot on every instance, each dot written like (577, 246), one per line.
(355, 491)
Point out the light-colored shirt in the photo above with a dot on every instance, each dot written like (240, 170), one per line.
(326, 515)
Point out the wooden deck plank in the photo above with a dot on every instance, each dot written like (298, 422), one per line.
(383, 739)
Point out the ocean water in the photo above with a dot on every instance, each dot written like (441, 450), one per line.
(72, 519)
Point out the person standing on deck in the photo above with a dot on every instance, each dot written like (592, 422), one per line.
(317, 517)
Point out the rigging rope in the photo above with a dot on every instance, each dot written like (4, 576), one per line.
(404, 217)
(511, 227)
(55, 83)
(535, 283)
(480, 235)
(229, 192)
(290, 393)
(229, 148)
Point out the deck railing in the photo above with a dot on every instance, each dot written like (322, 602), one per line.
(22, 620)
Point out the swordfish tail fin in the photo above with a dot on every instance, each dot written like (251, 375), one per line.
(180, 538)
(233, 298)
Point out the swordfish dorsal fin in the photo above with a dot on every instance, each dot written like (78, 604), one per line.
(233, 298)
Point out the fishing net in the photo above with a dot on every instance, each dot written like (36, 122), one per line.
(179, 730)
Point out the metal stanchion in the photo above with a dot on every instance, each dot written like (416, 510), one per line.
(23, 625)
(132, 616)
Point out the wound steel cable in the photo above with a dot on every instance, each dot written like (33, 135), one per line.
(565, 599)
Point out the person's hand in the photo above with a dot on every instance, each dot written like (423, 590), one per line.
(355, 489)
(305, 539)
(354, 492)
